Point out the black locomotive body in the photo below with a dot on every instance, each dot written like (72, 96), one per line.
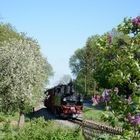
(64, 101)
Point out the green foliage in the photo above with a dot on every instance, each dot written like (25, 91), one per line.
(39, 129)
(24, 71)
(2, 117)
(113, 60)
(130, 25)
(77, 61)
(7, 32)
(82, 64)
(103, 137)
(95, 115)
(119, 67)
(111, 119)
(77, 64)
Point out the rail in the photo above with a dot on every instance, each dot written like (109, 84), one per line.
(91, 129)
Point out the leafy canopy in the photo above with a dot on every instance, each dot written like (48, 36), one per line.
(23, 70)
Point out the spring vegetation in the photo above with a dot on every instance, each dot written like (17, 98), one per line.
(24, 75)
(112, 61)
(107, 61)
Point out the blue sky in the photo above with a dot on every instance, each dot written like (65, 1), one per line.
(62, 26)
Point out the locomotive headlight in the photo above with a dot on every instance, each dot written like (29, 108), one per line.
(64, 99)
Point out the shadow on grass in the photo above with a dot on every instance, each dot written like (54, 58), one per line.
(43, 112)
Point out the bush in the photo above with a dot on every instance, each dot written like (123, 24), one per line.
(103, 137)
(2, 117)
(39, 129)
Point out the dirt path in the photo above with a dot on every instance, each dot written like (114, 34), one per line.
(43, 112)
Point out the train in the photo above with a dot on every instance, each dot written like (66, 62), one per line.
(63, 101)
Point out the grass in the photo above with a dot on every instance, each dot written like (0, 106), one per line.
(91, 114)
(40, 129)
(97, 115)
(9, 117)
(36, 129)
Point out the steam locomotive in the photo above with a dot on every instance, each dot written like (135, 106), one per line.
(63, 101)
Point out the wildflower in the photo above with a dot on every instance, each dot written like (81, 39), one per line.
(134, 120)
(106, 95)
(109, 37)
(129, 99)
(94, 101)
(136, 21)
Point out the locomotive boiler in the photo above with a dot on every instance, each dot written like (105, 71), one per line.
(63, 101)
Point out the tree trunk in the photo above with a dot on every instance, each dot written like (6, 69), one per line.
(21, 119)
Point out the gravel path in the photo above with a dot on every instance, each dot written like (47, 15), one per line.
(43, 112)
(66, 123)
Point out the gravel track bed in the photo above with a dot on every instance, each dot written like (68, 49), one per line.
(42, 111)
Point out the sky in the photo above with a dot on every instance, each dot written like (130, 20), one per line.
(62, 26)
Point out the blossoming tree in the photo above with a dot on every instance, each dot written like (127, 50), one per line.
(119, 66)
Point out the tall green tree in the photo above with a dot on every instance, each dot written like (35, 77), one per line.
(118, 66)
(77, 64)
(77, 61)
(82, 65)
(24, 71)
(7, 31)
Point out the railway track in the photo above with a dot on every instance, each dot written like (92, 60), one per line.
(92, 128)
(77, 121)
